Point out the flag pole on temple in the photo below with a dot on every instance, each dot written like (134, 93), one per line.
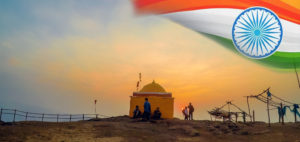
(140, 77)
(138, 83)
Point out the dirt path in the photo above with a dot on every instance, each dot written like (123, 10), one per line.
(125, 129)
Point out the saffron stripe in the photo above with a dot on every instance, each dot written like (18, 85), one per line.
(282, 9)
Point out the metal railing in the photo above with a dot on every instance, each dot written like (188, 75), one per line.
(12, 114)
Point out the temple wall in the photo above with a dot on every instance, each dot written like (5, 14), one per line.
(165, 104)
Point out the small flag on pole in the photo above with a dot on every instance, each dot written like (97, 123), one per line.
(140, 75)
(137, 86)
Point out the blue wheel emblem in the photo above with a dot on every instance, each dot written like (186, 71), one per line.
(257, 32)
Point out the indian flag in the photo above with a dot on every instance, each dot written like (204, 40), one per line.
(266, 31)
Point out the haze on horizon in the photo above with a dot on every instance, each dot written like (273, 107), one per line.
(58, 56)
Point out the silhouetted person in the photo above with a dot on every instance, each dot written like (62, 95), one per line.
(191, 111)
(157, 114)
(137, 113)
(147, 109)
(185, 113)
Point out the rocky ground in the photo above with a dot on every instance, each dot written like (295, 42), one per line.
(121, 129)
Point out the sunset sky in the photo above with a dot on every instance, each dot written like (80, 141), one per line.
(58, 56)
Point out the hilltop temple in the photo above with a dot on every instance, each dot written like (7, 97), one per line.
(157, 96)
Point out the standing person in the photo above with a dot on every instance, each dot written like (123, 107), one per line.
(147, 109)
(185, 113)
(191, 111)
(183, 109)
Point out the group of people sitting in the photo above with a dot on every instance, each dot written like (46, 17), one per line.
(188, 112)
(147, 112)
(137, 113)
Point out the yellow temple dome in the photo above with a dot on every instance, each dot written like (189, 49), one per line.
(153, 87)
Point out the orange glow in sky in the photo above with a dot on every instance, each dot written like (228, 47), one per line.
(101, 59)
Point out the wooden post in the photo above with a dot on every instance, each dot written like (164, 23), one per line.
(244, 117)
(26, 116)
(249, 108)
(1, 114)
(295, 117)
(228, 103)
(253, 116)
(15, 115)
(96, 116)
(236, 117)
(82, 116)
(70, 117)
(294, 113)
(268, 111)
(279, 117)
(57, 118)
(282, 116)
(43, 117)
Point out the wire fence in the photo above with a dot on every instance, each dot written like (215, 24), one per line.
(13, 115)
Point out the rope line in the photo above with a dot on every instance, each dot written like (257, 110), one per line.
(272, 102)
(43, 116)
(284, 100)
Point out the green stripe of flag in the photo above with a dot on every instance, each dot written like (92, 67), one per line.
(279, 60)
